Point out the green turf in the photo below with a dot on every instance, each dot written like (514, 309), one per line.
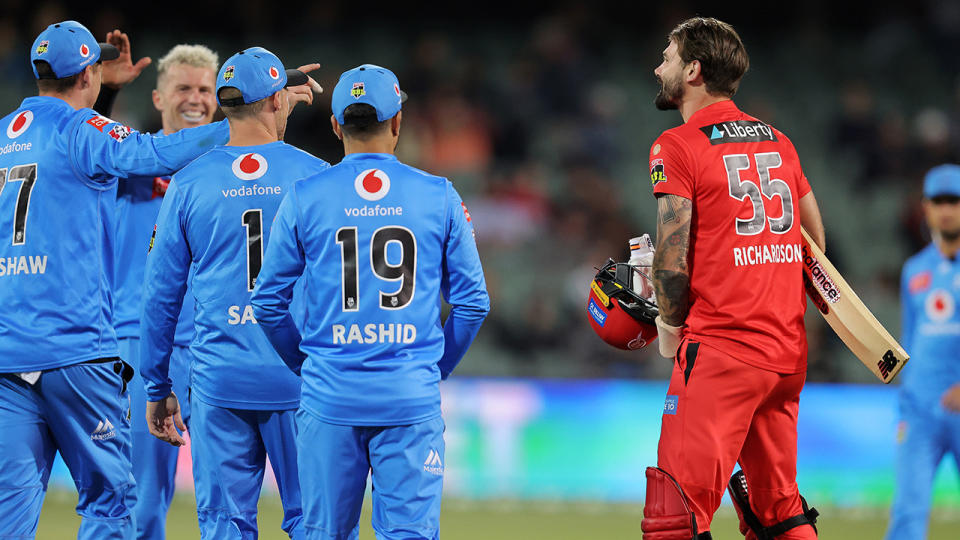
(505, 520)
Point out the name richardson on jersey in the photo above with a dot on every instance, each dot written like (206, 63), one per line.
(739, 131)
(24, 264)
(767, 254)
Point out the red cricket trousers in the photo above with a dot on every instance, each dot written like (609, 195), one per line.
(719, 411)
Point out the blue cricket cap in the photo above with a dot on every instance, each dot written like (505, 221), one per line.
(257, 73)
(374, 85)
(942, 180)
(68, 47)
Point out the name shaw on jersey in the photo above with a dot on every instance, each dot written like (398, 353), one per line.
(24, 264)
(374, 333)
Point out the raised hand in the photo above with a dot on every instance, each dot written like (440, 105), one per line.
(122, 71)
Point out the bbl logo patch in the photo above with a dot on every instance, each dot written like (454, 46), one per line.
(43, 46)
(119, 132)
(656, 172)
(228, 73)
(358, 90)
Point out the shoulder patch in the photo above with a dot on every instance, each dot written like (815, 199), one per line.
(657, 174)
(100, 122)
(920, 282)
(119, 132)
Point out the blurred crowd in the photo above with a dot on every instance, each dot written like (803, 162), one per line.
(543, 121)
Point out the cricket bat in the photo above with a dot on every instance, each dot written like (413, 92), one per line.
(860, 331)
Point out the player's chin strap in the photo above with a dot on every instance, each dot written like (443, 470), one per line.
(749, 521)
(666, 511)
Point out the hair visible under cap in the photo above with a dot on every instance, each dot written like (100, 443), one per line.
(360, 121)
(199, 56)
(723, 58)
(237, 112)
(48, 84)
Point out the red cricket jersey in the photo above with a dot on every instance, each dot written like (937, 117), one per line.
(746, 275)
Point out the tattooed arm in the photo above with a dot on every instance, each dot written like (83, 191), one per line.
(671, 277)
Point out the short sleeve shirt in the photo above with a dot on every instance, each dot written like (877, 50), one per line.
(746, 276)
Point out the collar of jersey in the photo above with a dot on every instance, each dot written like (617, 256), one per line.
(251, 148)
(45, 100)
(715, 109)
(362, 156)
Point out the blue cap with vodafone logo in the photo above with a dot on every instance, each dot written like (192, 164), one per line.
(374, 85)
(68, 47)
(257, 73)
(942, 180)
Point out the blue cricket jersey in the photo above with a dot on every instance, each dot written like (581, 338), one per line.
(216, 215)
(58, 169)
(379, 243)
(929, 296)
(138, 203)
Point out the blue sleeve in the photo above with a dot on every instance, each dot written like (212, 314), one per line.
(462, 285)
(907, 317)
(283, 264)
(165, 282)
(103, 149)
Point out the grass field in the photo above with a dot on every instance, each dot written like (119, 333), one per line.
(512, 520)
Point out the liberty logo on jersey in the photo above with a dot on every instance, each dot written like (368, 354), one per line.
(19, 124)
(372, 184)
(249, 166)
(433, 464)
(104, 431)
(939, 305)
(739, 131)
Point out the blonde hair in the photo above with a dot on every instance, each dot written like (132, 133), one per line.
(199, 56)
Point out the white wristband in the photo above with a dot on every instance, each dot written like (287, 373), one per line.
(668, 338)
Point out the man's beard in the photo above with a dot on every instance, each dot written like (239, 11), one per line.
(950, 236)
(668, 96)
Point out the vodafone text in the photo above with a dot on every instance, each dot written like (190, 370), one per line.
(248, 191)
(373, 211)
(374, 333)
(24, 264)
(15, 147)
(767, 254)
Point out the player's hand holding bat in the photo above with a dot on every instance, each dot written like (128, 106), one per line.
(163, 420)
(122, 71)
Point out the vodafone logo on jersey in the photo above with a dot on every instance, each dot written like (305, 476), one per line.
(939, 305)
(249, 166)
(19, 124)
(372, 184)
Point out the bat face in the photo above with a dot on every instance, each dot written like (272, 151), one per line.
(853, 322)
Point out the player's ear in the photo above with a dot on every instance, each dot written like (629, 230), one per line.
(395, 124)
(156, 100)
(693, 70)
(85, 80)
(336, 127)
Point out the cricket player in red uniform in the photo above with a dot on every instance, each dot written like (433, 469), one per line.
(731, 198)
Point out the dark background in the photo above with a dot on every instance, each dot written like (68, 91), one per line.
(542, 116)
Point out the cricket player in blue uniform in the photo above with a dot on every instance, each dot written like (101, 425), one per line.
(216, 216)
(186, 78)
(62, 383)
(379, 243)
(930, 386)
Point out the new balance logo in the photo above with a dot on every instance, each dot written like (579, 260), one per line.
(104, 431)
(433, 464)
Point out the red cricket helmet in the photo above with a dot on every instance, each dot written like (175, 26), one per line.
(617, 314)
